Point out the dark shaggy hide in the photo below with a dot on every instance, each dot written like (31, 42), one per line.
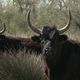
(61, 55)
(15, 44)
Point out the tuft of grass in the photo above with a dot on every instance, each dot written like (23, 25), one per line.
(20, 67)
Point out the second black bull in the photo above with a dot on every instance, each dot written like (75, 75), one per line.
(14, 44)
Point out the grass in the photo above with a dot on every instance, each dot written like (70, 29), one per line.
(20, 67)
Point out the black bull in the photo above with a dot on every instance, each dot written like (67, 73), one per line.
(60, 55)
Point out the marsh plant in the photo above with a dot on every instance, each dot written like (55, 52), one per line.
(20, 67)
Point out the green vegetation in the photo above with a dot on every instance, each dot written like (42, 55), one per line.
(20, 67)
(44, 12)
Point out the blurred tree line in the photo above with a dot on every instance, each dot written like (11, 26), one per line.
(43, 12)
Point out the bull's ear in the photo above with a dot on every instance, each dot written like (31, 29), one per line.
(63, 38)
(36, 38)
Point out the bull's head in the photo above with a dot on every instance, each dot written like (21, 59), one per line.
(2, 25)
(48, 33)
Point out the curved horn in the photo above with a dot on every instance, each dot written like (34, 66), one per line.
(65, 28)
(3, 30)
(31, 26)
